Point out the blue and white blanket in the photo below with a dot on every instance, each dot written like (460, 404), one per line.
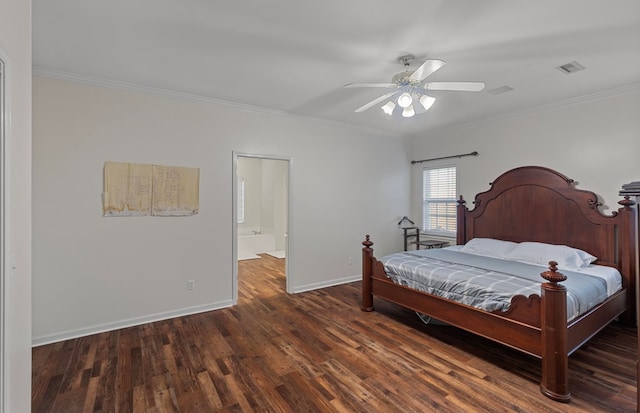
(486, 283)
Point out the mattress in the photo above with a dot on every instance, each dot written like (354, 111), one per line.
(490, 283)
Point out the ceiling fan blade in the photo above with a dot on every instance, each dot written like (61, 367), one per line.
(456, 86)
(387, 85)
(376, 101)
(427, 68)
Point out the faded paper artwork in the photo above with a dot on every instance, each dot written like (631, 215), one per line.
(140, 189)
(127, 189)
(175, 190)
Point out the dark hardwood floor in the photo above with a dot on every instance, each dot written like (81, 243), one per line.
(316, 352)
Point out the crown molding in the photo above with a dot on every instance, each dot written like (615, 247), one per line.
(131, 87)
(172, 94)
(565, 103)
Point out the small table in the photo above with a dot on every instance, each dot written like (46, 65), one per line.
(431, 243)
(414, 232)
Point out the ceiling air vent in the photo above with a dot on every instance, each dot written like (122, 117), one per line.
(500, 90)
(570, 67)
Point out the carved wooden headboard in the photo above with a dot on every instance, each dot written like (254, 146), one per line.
(533, 203)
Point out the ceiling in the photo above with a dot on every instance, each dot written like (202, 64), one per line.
(295, 57)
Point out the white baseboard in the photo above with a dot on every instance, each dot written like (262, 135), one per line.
(101, 328)
(316, 286)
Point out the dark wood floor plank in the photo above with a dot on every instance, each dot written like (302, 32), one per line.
(164, 394)
(316, 352)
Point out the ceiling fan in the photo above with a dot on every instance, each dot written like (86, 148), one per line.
(410, 86)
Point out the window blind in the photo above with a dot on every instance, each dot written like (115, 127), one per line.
(439, 201)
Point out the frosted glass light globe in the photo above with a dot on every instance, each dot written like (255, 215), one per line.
(405, 100)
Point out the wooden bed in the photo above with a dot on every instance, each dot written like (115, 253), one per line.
(531, 204)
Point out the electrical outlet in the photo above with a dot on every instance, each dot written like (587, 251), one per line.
(191, 285)
(350, 260)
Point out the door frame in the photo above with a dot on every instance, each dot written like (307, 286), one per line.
(4, 125)
(234, 220)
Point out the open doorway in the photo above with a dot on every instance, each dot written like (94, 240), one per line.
(261, 211)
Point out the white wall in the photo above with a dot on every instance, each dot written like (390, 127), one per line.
(272, 186)
(595, 141)
(264, 196)
(92, 273)
(251, 170)
(15, 47)
(275, 188)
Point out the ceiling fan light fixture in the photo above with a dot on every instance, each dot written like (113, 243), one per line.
(427, 101)
(405, 100)
(411, 86)
(408, 112)
(389, 107)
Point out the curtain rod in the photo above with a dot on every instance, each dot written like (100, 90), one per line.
(474, 153)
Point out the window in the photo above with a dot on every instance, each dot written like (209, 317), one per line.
(241, 181)
(439, 201)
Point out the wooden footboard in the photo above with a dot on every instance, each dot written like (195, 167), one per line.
(519, 327)
(535, 325)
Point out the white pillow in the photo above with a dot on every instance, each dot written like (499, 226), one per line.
(540, 254)
(488, 247)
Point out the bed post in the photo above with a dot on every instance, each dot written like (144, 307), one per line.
(555, 355)
(367, 255)
(461, 234)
